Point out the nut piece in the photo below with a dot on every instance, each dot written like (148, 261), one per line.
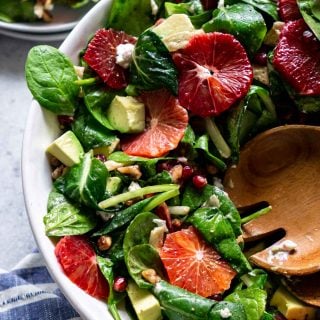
(272, 37)
(104, 243)
(176, 173)
(150, 275)
(58, 172)
(133, 171)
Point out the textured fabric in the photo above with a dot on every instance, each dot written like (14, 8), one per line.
(28, 292)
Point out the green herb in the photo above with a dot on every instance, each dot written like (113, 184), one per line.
(50, 77)
(310, 10)
(17, 10)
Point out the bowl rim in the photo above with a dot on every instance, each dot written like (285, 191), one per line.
(33, 158)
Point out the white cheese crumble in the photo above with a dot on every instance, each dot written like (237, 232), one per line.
(213, 201)
(285, 246)
(124, 54)
(225, 313)
(154, 7)
(218, 183)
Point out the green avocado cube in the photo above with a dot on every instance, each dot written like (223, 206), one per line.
(126, 114)
(67, 149)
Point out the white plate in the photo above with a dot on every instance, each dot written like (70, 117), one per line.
(40, 131)
(39, 37)
(64, 19)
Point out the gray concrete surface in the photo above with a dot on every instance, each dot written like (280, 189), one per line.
(16, 239)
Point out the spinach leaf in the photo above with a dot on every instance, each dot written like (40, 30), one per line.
(310, 10)
(217, 230)
(85, 182)
(140, 258)
(123, 217)
(253, 301)
(17, 10)
(64, 218)
(256, 113)
(212, 196)
(51, 79)
(138, 232)
(236, 309)
(115, 253)
(267, 6)
(106, 266)
(188, 305)
(152, 66)
(163, 177)
(90, 132)
(202, 144)
(97, 101)
(242, 21)
(133, 17)
(256, 278)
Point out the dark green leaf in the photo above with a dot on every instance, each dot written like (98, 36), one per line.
(188, 305)
(310, 10)
(217, 230)
(152, 66)
(17, 10)
(97, 101)
(140, 258)
(242, 21)
(253, 301)
(267, 6)
(123, 217)
(50, 77)
(64, 218)
(256, 278)
(91, 133)
(202, 144)
(236, 310)
(85, 182)
(133, 17)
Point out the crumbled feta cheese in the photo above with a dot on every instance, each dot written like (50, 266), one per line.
(79, 71)
(218, 183)
(134, 186)
(124, 54)
(213, 201)
(154, 7)
(221, 4)
(225, 313)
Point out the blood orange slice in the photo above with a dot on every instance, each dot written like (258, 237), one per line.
(288, 10)
(101, 56)
(193, 265)
(166, 122)
(214, 72)
(79, 263)
(297, 58)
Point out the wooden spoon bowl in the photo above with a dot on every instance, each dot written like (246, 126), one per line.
(282, 167)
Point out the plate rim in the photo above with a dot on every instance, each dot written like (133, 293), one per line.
(30, 163)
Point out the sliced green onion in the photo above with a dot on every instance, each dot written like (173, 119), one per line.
(158, 199)
(113, 201)
(256, 215)
(86, 82)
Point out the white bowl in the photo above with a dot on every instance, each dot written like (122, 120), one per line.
(41, 129)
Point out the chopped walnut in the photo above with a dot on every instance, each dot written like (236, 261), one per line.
(260, 73)
(272, 37)
(58, 172)
(104, 243)
(133, 171)
(42, 10)
(150, 275)
(176, 173)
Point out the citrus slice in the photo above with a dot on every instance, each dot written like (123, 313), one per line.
(101, 56)
(288, 10)
(297, 58)
(214, 72)
(166, 122)
(78, 261)
(193, 265)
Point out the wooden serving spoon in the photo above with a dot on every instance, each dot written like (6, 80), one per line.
(282, 167)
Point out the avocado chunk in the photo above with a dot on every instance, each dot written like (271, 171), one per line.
(176, 31)
(145, 304)
(67, 149)
(107, 150)
(291, 307)
(126, 114)
(113, 185)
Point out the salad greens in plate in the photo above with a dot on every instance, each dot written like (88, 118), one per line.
(157, 108)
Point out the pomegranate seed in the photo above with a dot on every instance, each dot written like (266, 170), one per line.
(187, 172)
(101, 157)
(120, 284)
(261, 58)
(199, 181)
(65, 120)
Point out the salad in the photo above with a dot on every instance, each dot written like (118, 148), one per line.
(34, 10)
(158, 108)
